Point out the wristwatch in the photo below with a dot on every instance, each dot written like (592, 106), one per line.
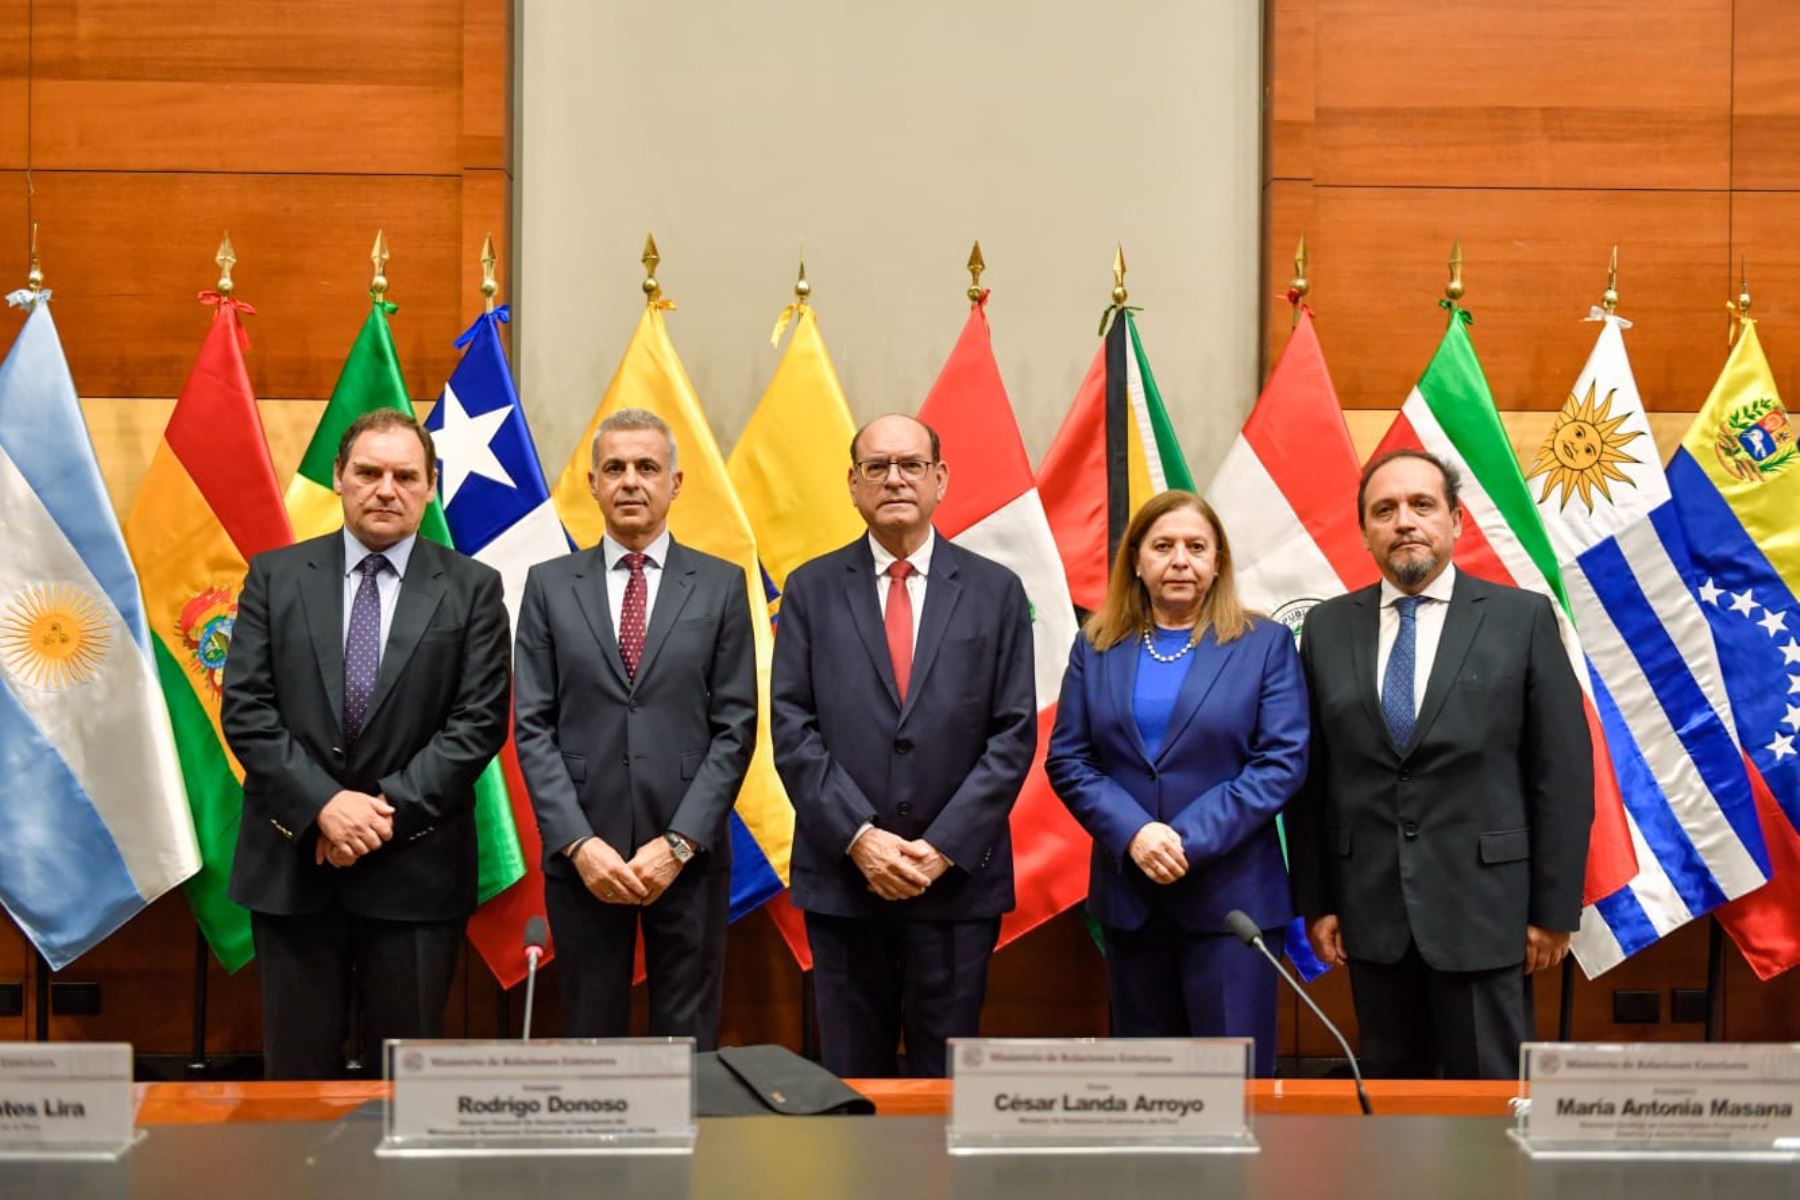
(680, 847)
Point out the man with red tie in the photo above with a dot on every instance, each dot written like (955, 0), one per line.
(904, 717)
(634, 715)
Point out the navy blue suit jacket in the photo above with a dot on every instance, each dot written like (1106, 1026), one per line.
(1234, 755)
(946, 765)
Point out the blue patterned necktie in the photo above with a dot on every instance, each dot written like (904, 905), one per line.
(1397, 683)
(362, 649)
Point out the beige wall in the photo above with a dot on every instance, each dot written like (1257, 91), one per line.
(889, 137)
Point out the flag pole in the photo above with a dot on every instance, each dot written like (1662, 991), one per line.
(652, 289)
(1453, 291)
(1298, 285)
(976, 265)
(489, 260)
(378, 286)
(34, 282)
(1715, 979)
(802, 289)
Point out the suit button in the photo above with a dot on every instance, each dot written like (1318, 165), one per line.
(1406, 777)
(337, 751)
(902, 747)
(904, 808)
(1150, 774)
(632, 707)
(625, 760)
(1410, 829)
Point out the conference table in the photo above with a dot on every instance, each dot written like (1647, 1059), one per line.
(287, 1141)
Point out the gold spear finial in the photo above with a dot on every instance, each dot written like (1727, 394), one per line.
(652, 289)
(977, 265)
(1298, 286)
(35, 278)
(489, 260)
(802, 289)
(1118, 292)
(1454, 289)
(1609, 299)
(1743, 300)
(226, 258)
(379, 256)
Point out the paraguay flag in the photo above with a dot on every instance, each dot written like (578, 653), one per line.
(94, 820)
(499, 512)
(1736, 483)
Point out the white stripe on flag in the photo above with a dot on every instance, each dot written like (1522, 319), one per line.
(1682, 617)
(1595, 946)
(533, 538)
(1277, 559)
(1017, 536)
(112, 728)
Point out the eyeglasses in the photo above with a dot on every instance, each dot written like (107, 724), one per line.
(875, 470)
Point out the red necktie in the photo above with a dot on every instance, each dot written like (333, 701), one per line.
(900, 624)
(631, 617)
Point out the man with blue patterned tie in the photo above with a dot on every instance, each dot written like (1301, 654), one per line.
(1439, 844)
(366, 689)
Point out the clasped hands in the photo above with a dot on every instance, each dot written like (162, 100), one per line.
(896, 868)
(1156, 849)
(611, 879)
(352, 825)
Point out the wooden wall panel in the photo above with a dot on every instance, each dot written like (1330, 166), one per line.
(1765, 230)
(1289, 58)
(1535, 262)
(213, 85)
(1765, 105)
(15, 85)
(487, 112)
(1536, 93)
(126, 253)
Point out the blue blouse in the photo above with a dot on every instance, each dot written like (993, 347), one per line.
(1153, 695)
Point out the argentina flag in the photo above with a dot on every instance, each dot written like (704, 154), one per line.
(94, 820)
(1605, 503)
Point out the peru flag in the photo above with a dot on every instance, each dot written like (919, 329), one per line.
(992, 508)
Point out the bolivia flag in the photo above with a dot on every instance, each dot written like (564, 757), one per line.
(1451, 413)
(1736, 483)
(372, 379)
(1115, 450)
(992, 508)
(208, 503)
(707, 517)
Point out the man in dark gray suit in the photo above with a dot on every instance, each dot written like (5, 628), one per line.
(904, 721)
(364, 693)
(635, 717)
(1440, 842)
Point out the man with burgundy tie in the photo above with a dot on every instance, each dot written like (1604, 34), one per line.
(1439, 843)
(904, 717)
(365, 691)
(635, 718)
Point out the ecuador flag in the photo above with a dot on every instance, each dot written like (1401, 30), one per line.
(208, 503)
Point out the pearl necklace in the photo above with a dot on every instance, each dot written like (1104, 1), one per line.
(1150, 648)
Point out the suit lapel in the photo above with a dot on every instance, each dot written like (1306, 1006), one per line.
(1120, 665)
(590, 596)
(865, 614)
(1365, 641)
(672, 593)
(941, 595)
(1460, 625)
(1209, 659)
(420, 591)
(322, 596)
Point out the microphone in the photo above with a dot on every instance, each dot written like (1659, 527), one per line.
(1250, 935)
(537, 932)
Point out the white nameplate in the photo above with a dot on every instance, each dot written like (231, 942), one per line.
(1654, 1095)
(1098, 1094)
(580, 1096)
(70, 1099)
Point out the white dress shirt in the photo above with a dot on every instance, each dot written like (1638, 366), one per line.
(915, 582)
(1429, 627)
(656, 554)
(387, 580)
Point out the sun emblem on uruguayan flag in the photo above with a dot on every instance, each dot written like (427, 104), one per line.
(1583, 450)
(54, 635)
(206, 624)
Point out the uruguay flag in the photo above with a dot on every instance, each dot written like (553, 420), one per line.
(499, 512)
(1657, 684)
(94, 821)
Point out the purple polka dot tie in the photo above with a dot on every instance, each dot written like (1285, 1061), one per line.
(362, 649)
(631, 617)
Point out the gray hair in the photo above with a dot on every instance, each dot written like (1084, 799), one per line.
(634, 418)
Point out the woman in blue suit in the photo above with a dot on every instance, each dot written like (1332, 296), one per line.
(1181, 732)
